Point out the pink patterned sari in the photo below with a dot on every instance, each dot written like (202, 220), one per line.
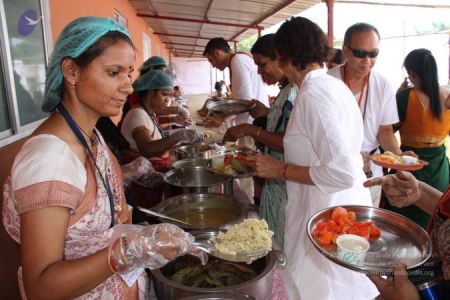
(47, 173)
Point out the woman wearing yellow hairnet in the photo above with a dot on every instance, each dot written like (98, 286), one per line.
(64, 200)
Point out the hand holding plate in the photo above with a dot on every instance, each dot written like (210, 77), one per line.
(266, 166)
(398, 288)
(258, 109)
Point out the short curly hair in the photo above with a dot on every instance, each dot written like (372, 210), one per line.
(301, 42)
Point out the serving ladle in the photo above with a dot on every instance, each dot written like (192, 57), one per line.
(162, 216)
(247, 257)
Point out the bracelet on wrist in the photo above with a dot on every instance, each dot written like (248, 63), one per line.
(258, 132)
(112, 264)
(284, 171)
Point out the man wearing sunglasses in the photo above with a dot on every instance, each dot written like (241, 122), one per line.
(373, 93)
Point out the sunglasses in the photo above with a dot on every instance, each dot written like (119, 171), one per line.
(363, 54)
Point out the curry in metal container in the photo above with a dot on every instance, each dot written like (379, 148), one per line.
(210, 217)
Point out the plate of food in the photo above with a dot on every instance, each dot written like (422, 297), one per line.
(398, 162)
(391, 238)
(233, 163)
(230, 106)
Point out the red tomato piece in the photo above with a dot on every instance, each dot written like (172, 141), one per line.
(242, 158)
(364, 232)
(375, 232)
(325, 238)
(228, 159)
(352, 216)
(338, 211)
(333, 226)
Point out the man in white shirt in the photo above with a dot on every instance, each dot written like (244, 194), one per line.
(374, 94)
(246, 84)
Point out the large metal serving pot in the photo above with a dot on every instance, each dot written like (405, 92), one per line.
(196, 180)
(203, 210)
(219, 296)
(191, 151)
(191, 162)
(258, 287)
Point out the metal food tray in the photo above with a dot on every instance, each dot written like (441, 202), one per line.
(401, 240)
(234, 152)
(230, 107)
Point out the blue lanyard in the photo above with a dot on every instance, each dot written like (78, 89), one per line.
(82, 140)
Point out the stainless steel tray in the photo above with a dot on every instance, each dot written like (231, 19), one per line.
(233, 152)
(401, 240)
(230, 107)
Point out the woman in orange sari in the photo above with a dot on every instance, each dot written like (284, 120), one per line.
(424, 125)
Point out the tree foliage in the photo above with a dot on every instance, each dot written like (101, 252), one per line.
(247, 44)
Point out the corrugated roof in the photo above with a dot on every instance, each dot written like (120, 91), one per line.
(186, 26)
(419, 3)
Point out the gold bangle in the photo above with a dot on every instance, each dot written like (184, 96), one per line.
(284, 171)
(258, 132)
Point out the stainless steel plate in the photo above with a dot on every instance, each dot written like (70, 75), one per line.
(401, 240)
(233, 152)
(230, 107)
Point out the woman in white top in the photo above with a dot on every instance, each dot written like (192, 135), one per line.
(64, 202)
(322, 167)
(140, 126)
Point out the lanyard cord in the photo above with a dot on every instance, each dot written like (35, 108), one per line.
(366, 83)
(82, 140)
(153, 119)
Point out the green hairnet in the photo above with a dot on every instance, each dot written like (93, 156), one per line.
(73, 41)
(153, 80)
(153, 62)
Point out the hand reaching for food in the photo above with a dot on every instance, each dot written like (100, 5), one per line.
(134, 246)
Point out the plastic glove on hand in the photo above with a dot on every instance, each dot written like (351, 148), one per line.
(184, 112)
(187, 136)
(152, 180)
(150, 247)
(136, 169)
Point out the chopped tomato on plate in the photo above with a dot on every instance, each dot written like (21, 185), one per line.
(342, 222)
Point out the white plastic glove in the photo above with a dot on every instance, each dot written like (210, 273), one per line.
(186, 136)
(136, 169)
(184, 112)
(133, 247)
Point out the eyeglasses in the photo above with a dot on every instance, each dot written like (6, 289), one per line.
(363, 54)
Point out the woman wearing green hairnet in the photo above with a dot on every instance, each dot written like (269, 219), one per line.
(64, 200)
(140, 126)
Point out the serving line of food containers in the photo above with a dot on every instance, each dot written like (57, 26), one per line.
(198, 190)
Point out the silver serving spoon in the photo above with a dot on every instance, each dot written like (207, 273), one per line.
(247, 257)
(154, 213)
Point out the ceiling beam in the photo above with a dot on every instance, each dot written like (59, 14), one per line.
(198, 21)
(189, 50)
(205, 17)
(393, 3)
(183, 44)
(260, 20)
(186, 36)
